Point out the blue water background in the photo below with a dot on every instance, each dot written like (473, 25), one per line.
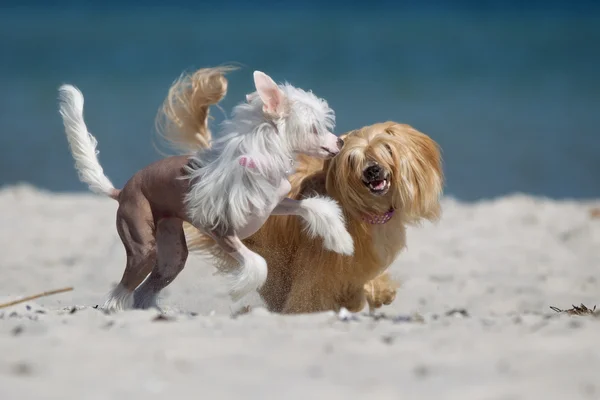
(510, 90)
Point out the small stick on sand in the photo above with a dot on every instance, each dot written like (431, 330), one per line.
(581, 310)
(35, 296)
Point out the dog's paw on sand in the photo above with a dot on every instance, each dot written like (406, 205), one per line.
(345, 315)
(119, 299)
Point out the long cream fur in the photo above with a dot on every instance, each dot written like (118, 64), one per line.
(182, 120)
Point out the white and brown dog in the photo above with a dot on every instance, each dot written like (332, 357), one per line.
(226, 191)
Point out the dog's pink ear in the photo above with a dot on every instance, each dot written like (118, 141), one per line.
(270, 94)
(246, 161)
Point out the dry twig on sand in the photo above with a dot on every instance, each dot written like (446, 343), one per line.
(581, 310)
(35, 296)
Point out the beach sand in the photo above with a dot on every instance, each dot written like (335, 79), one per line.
(471, 321)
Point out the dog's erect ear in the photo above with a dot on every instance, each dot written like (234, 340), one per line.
(270, 94)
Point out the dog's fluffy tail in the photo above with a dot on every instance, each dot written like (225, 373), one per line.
(82, 143)
(182, 120)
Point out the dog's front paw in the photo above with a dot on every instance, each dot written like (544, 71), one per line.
(380, 291)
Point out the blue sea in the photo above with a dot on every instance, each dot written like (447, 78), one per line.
(510, 90)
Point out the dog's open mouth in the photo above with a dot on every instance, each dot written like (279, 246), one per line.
(376, 179)
(378, 187)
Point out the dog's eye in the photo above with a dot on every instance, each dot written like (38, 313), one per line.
(315, 130)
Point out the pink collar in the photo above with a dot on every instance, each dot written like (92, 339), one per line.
(379, 219)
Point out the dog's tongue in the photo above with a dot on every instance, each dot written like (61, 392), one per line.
(378, 185)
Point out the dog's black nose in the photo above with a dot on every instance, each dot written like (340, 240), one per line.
(340, 143)
(373, 172)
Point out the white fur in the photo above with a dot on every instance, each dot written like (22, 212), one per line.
(345, 315)
(119, 299)
(81, 141)
(323, 217)
(250, 277)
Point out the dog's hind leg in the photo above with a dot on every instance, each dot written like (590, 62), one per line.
(172, 254)
(135, 226)
(252, 272)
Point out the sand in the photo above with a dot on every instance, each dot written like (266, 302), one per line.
(472, 320)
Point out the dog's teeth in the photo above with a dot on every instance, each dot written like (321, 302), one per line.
(378, 185)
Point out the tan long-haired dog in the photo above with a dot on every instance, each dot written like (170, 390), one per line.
(386, 177)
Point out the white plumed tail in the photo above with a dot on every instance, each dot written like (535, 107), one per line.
(82, 143)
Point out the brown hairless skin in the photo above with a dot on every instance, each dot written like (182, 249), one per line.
(149, 221)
